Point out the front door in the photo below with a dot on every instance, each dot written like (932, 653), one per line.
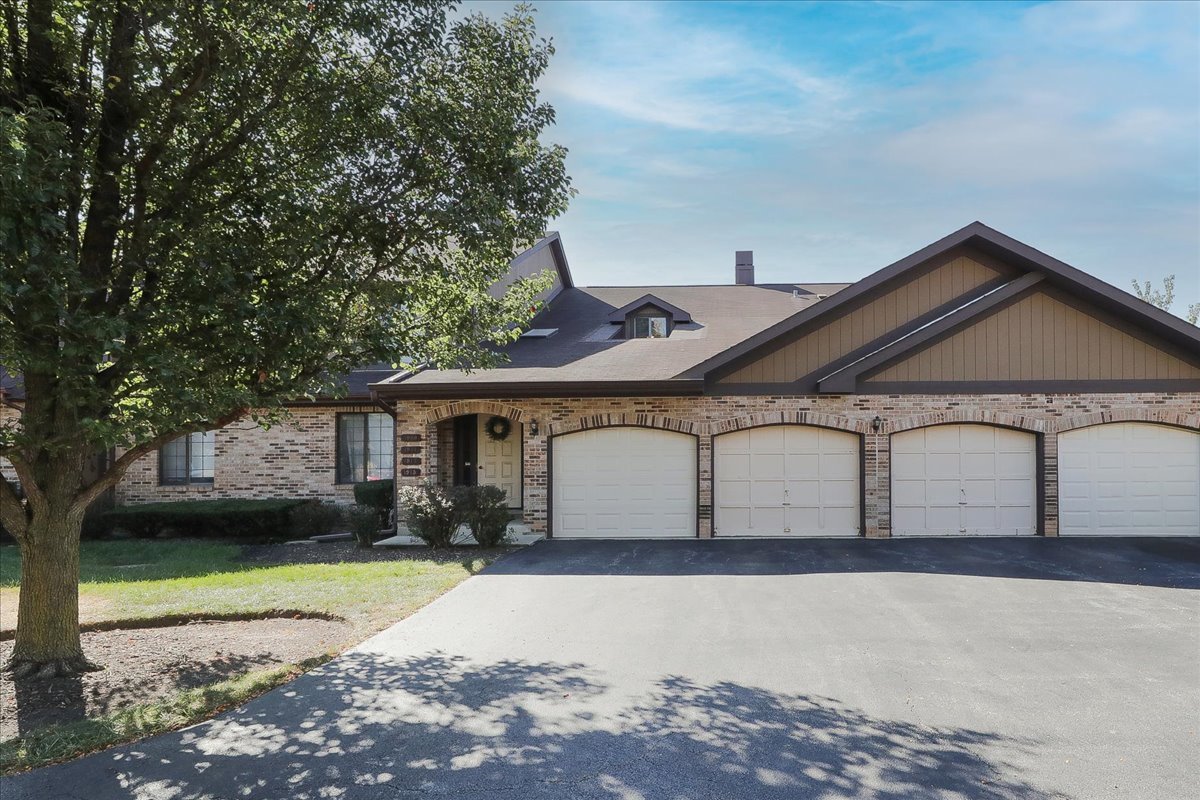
(499, 455)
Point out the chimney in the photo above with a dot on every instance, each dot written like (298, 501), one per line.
(743, 267)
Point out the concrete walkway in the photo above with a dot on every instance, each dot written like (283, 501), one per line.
(721, 669)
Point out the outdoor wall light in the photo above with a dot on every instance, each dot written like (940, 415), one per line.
(877, 423)
(533, 428)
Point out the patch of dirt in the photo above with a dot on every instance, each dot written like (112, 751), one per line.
(150, 663)
(338, 552)
(90, 608)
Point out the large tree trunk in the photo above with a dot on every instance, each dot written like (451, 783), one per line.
(47, 642)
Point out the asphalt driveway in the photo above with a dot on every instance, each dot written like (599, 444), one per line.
(723, 669)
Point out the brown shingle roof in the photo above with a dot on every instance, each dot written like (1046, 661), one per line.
(583, 350)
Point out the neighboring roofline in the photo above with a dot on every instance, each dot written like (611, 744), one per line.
(553, 240)
(845, 380)
(993, 243)
(677, 313)
(479, 389)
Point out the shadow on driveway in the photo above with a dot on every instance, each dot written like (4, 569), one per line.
(369, 725)
(1172, 562)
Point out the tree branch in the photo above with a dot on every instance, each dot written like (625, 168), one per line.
(88, 494)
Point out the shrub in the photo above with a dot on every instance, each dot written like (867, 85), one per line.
(433, 514)
(485, 510)
(364, 524)
(316, 519)
(378, 495)
(258, 519)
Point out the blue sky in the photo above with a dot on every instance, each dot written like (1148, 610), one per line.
(835, 138)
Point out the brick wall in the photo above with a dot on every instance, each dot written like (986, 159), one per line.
(295, 458)
(1043, 414)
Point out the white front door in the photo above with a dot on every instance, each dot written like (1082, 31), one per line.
(621, 483)
(786, 480)
(1129, 479)
(500, 460)
(977, 480)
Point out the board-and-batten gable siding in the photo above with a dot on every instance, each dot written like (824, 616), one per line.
(1039, 337)
(836, 337)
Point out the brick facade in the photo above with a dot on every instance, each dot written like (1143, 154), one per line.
(1046, 415)
(295, 458)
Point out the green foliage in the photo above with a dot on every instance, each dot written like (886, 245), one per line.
(256, 519)
(379, 495)
(364, 524)
(208, 209)
(432, 513)
(316, 519)
(485, 510)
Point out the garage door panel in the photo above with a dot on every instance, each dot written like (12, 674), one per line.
(1129, 479)
(803, 481)
(970, 479)
(733, 465)
(624, 483)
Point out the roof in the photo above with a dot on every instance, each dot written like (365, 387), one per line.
(648, 300)
(584, 352)
(992, 242)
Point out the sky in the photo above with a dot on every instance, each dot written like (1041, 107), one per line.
(835, 138)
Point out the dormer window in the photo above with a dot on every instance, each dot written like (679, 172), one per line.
(650, 326)
(648, 317)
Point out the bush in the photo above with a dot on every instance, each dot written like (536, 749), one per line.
(316, 519)
(378, 495)
(364, 524)
(485, 510)
(433, 514)
(258, 519)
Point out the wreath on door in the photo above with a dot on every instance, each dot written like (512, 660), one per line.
(497, 428)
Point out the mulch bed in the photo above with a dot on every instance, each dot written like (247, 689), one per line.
(338, 552)
(150, 663)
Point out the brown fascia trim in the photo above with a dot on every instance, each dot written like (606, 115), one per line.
(845, 380)
(992, 243)
(479, 390)
(1124, 386)
(553, 240)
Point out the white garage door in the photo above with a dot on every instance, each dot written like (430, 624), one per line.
(786, 480)
(964, 479)
(1129, 479)
(624, 483)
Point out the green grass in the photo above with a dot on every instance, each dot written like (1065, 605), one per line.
(61, 742)
(140, 580)
(137, 560)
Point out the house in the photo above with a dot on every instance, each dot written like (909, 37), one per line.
(976, 387)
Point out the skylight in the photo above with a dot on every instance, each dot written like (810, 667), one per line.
(539, 333)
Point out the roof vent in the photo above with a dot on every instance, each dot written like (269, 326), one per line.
(539, 333)
(743, 267)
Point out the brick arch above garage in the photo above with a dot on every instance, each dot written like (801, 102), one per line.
(635, 419)
(1162, 416)
(814, 418)
(968, 415)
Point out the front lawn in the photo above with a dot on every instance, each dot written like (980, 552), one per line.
(132, 584)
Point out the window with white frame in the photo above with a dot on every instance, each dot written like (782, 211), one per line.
(188, 459)
(649, 327)
(364, 447)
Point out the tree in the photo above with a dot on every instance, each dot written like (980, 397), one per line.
(1164, 298)
(207, 209)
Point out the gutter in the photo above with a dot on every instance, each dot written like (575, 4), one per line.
(506, 389)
